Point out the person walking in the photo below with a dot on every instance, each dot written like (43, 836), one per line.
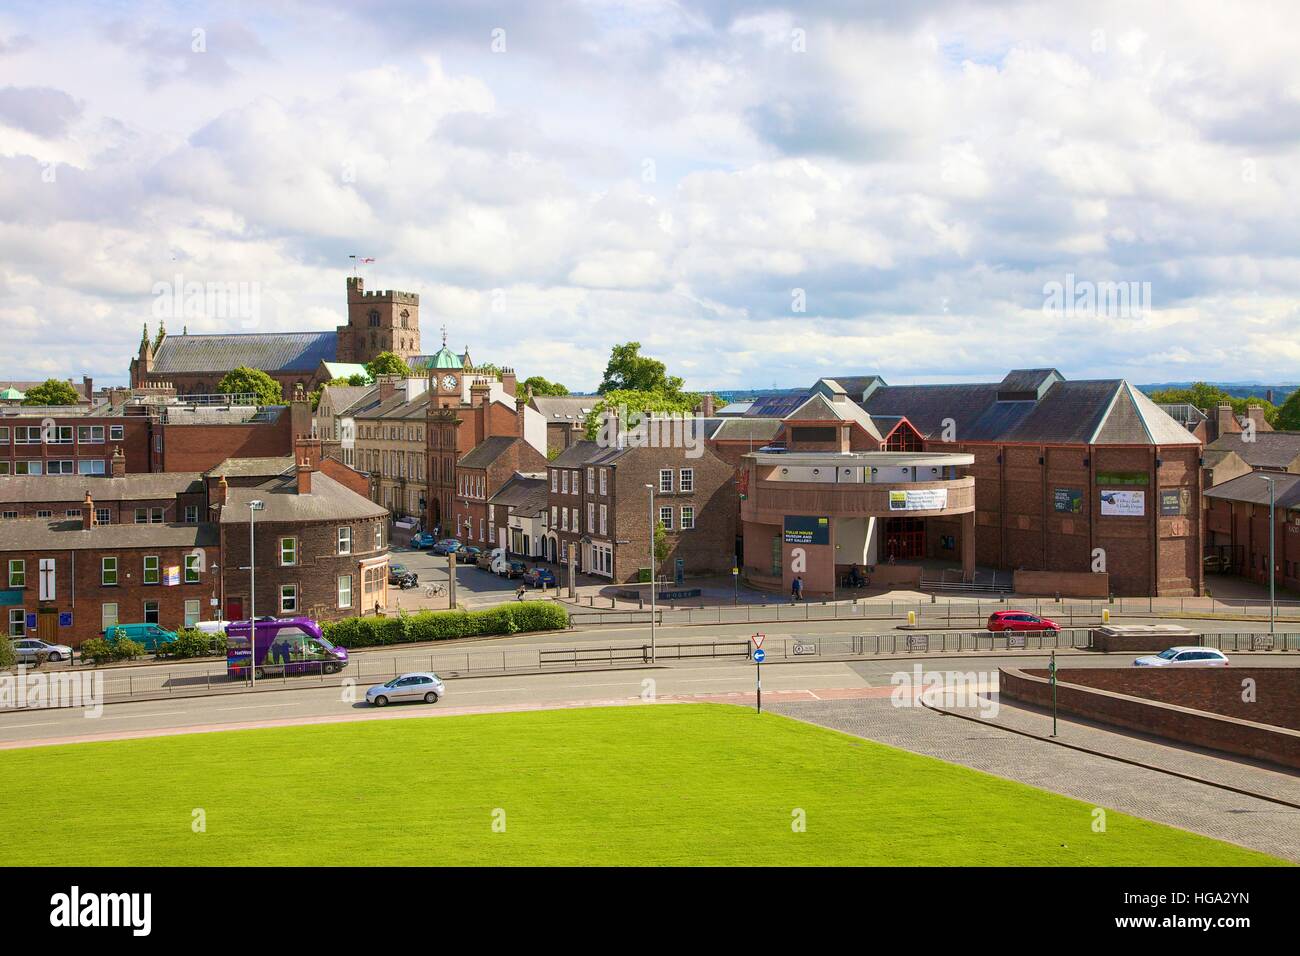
(796, 589)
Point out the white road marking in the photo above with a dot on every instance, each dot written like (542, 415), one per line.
(159, 713)
(287, 703)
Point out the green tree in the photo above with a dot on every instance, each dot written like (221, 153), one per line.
(387, 363)
(266, 390)
(629, 370)
(661, 542)
(634, 404)
(1209, 397)
(6, 652)
(536, 385)
(1288, 413)
(52, 392)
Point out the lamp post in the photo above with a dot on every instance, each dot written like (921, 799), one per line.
(1272, 565)
(653, 527)
(254, 506)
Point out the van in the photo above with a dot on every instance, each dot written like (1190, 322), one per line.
(148, 635)
(210, 627)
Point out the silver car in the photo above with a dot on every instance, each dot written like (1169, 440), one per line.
(1185, 657)
(419, 685)
(26, 649)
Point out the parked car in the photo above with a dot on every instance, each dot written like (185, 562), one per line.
(484, 560)
(420, 685)
(423, 540)
(446, 546)
(512, 569)
(1020, 621)
(538, 577)
(468, 554)
(26, 649)
(402, 576)
(1185, 657)
(148, 635)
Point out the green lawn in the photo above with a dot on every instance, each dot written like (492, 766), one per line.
(688, 784)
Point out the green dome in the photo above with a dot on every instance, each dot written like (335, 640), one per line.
(445, 358)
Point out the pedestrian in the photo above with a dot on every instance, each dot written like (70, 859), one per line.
(796, 589)
(519, 593)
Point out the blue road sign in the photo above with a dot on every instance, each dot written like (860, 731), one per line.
(759, 654)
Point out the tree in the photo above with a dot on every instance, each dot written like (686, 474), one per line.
(1288, 414)
(1210, 397)
(266, 390)
(628, 369)
(52, 392)
(630, 405)
(536, 385)
(661, 542)
(387, 363)
(6, 652)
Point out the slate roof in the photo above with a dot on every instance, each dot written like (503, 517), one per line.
(579, 453)
(819, 408)
(525, 495)
(487, 451)
(742, 429)
(564, 408)
(66, 534)
(282, 352)
(1251, 489)
(79, 387)
(1268, 450)
(73, 488)
(343, 397)
(328, 501)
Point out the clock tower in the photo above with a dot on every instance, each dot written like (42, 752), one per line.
(446, 377)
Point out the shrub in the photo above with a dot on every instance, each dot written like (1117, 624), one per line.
(97, 650)
(6, 653)
(354, 632)
(194, 643)
(125, 649)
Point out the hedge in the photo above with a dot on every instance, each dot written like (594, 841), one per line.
(101, 651)
(354, 632)
(191, 642)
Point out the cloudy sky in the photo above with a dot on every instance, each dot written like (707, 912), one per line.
(760, 193)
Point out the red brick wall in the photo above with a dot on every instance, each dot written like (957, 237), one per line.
(200, 447)
(1249, 737)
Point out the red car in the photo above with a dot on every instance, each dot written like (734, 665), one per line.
(1020, 621)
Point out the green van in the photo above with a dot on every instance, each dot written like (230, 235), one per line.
(150, 635)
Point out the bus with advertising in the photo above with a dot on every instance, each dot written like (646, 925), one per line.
(283, 646)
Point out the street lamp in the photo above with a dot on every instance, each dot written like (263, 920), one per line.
(1272, 566)
(653, 528)
(254, 506)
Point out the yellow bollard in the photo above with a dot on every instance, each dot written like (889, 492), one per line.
(911, 617)
(1105, 615)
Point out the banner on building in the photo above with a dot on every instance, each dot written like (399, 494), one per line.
(1068, 500)
(1174, 502)
(803, 529)
(171, 576)
(919, 499)
(1124, 503)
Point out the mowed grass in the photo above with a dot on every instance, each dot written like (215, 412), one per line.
(638, 785)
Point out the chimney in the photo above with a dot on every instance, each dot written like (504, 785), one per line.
(222, 492)
(387, 387)
(706, 405)
(520, 405)
(479, 392)
(119, 463)
(1225, 421)
(89, 384)
(304, 477)
(1256, 414)
(88, 512)
(308, 450)
(1268, 396)
(509, 382)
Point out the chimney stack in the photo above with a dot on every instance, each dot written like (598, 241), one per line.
(1256, 414)
(304, 477)
(706, 405)
(387, 387)
(520, 405)
(479, 392)
(88, 512)
(222, 493)
(119, 463)
(509, 382)
(308, 450)
(1225, 421)
(89, 384)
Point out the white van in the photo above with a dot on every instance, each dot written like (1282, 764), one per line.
(211, 627)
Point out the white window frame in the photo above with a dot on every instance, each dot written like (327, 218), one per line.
(293, 549)
(687, 518)
(156, 570)
(22, 572)
(345, 540)
(191, 569)
(108, 615)
(193, 611)
(17, 622)
(665, 481)
(290, 606)
(666, 517)
(686, 480)
(104, 572)
(345, 589)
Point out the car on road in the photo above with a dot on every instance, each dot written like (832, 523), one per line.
(423, 540)
(148, 635)
(1185, 657)
(419, 685)
(484, 560)
(402, 576)
(26, 649)
(537, 577)
(446, 546)
(1021, 621)
(468, 553)
(512, 569)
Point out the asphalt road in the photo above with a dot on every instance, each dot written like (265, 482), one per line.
(303, 701)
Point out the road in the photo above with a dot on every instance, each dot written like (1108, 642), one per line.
(305, 702)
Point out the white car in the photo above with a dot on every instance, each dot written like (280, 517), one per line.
(1185, 657)
(419, 685)
(26, 649)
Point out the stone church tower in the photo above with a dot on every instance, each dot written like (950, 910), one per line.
(379, 322)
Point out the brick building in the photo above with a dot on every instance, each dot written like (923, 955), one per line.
(518, 515)
(480, 475)
(1236, 528)
(600, 505)
(565, 417)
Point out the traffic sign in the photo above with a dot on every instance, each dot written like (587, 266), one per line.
(758, 639)
(759, 654)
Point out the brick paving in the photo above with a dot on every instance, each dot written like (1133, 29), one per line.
(1211, 811)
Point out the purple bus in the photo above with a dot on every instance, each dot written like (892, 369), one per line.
(290, 645)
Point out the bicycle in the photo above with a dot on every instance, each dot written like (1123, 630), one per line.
(435, 590)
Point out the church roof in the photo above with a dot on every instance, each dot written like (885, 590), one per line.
(283, 352)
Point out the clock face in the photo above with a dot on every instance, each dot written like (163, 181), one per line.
(449, 381)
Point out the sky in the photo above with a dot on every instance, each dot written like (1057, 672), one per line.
(759, 193)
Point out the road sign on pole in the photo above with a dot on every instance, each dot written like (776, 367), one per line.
(759, 655)
(1051, 670)
(758, 640)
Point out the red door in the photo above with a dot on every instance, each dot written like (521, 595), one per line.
(235, 609)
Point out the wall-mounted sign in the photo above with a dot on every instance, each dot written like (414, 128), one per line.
(919, 499)
(1067, 500)
(1123, 478)
(1124, 503)
(802, 529)
(65, 619)
(171, 576)
(1171, 502)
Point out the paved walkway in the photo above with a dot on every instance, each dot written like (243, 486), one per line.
(1247, 821)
